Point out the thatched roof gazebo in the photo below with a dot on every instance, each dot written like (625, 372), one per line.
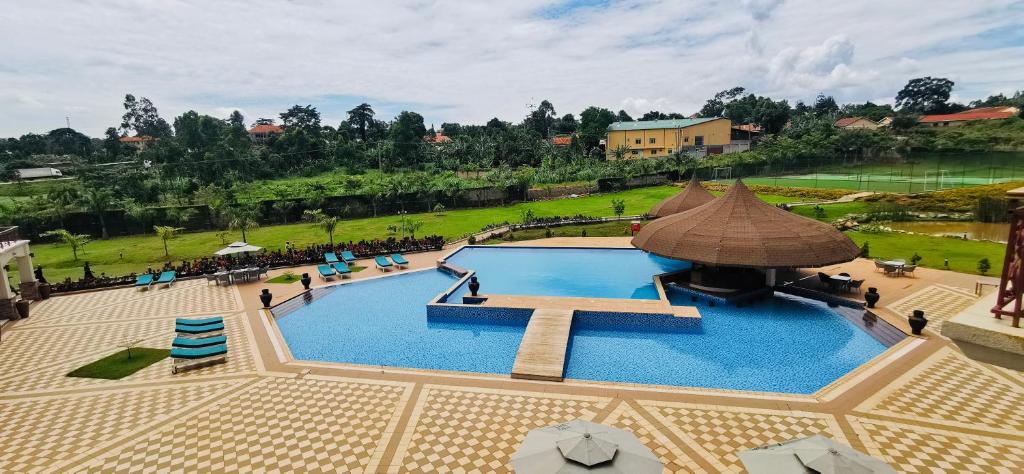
(740, 230)
(693, 195)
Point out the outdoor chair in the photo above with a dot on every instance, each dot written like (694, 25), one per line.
(201, 342)
(879, 265)
(844, 274)
(347, 256)
(383, 264)
(198, 322)
(326, 271)
(855, 285)
(166, 278)
(399, 260)
(330, 257)
(187, 358)
(224, 278)
(208, 330)
(144, 280)
(908, 269)
(211, 277)
(252, 274)
(343, 270)
(263, 271)
(891, 270)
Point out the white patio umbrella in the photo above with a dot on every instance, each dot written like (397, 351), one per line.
(809, 455)
(237, 247)
(583, 446)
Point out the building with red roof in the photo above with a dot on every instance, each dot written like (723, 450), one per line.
(852, 123)
(437, 138)
(263, 132)
(139, 142)
(972, 115)
(561, 140)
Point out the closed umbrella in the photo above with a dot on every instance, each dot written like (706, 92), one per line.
(816, 454)
(583, 446)
(237, 247)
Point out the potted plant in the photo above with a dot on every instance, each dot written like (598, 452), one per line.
(917, 322)
(306, 280)
(23, 308)
(265, 297)
(872, 296)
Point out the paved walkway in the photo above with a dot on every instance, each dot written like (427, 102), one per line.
(923, 405)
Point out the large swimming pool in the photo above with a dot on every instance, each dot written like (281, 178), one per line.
(782, 344)
(536, 271)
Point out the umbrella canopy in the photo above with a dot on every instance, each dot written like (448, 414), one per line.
(583, 446)
(237, 247)
(693, 195)
(740, 230)
(809, 455)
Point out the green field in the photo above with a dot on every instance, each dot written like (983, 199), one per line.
(963, 255)
(124, 255)
(833, 211)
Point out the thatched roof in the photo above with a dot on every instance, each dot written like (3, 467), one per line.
(693, 195)
(740, 230)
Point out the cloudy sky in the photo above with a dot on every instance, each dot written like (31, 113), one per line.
(468, 61)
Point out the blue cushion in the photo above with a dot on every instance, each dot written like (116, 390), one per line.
(199, 322)
(382, 261)
(199, 329)
(325, 270)
(194, 343)
(399, 259)
(198, 353)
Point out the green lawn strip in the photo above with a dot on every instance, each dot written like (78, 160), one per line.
(606, 229)
(285, 279)
(119, 366)
(123, 255)
(833, 211)
(963, 255)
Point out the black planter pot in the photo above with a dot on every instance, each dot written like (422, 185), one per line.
(44, 291)
(265, 297)
(23, 307)
(871, 297)
(917, 322)
(474, 285)
(306, 280)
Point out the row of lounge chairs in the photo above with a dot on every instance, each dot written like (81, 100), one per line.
(397, 260)
(334, 266)
(199, 342)
(146, 280)
(329, 270)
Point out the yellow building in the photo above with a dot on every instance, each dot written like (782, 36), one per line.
(661, 138)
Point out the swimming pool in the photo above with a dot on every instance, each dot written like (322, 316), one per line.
(384, 321)
(579, 272)
(781, 344)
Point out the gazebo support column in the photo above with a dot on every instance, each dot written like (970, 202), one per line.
(7, 298)
(769, 277)
(29, 287)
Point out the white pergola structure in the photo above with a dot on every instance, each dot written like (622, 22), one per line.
(14, 248)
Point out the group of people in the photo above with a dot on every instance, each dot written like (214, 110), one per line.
(289, 257)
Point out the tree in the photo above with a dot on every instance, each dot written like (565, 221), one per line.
(99, 201)
(263, 121)
(619, 207)
(141, 117)
(62, 199)
(825, 106)
(904, 121)
(361, 117)
(75, 241)
(245, 219)
(924, 95)
(566, 125)
(303, 117)
(67, 141)
(715, 106)
(984, 266)
(406, 135)
(320, 219)
(594, 122)
(166, 232)
(112, 143)
(541, 119)
(622, 116)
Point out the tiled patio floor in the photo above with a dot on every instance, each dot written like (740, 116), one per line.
(930, 409)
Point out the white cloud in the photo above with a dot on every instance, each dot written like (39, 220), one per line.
(470, 61)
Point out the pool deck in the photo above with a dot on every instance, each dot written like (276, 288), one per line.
(923, 406)
(614, 305)
(541, 354)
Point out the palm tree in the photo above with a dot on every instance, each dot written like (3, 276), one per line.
(244, 219)
(62, 199)
(323, 221)
(166, 232)
(99, 200)
(75, 241)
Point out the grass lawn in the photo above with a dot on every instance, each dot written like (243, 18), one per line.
(963, 255)
(123, 255)
(605, 229)
(285, 279)
(834, 211)
(118, 365)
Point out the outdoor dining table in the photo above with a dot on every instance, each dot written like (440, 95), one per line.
(894, 263)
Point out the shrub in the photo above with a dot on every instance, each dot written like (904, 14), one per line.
(984, 266)
(865, 250)
(471, 240)
(819, 212)
(914, 259)
(439, 209)
(548, 233)
(583, 233)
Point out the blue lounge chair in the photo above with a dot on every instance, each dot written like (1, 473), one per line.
(199, 322)
(185, 358)
(208, 330)
(166, 278)
(326, 271)
(383, 264)
(342, 269)
(330, 257)
(144, 280)
(399, 260)
(190, 343)
(347, 256)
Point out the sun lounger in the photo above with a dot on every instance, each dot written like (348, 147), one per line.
(209, 330)
(144, 280)
(342, 269)
(399, 260)
(330, 257)
(199, 322)
(383, 264)
(190, 343)
(166, 278)
(347, 256)
(326, 271)
(187, 358)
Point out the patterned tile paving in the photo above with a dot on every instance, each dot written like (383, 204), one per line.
(626, 418)
(718, 433)
(39, 432)
(938, 304)
(277, 424)
(951, 389)
(914, 449)
(459, 429)
(241, 359)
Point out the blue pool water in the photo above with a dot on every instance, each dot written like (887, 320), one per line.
(783, 344)
(384, 322)
(596, 273)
